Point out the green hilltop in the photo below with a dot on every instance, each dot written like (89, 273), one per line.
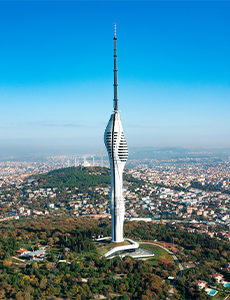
(82, 178)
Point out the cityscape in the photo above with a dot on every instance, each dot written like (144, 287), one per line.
(171, 191)
(192, 195)
(146, 214)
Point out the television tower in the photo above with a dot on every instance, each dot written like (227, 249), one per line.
(118, 153)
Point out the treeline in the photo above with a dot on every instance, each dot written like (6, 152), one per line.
(77, 241)
(82, 178)
(133, 182)
(208, 187)
(83, 279)
(86, 275)
(198, 246)
(75, 234)
(208, 254)
(175, 188)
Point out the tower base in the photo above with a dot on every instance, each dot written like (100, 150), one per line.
(132, 249)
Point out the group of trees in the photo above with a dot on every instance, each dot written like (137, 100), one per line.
(42, 281)
(200, 247)
(208, 254)
(81, 178)
(86, 274)
(208, 187)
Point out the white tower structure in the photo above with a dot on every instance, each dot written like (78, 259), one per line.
(118, 153)
(75, 162)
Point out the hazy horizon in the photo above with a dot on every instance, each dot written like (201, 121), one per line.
(33, 152)
(56, 81)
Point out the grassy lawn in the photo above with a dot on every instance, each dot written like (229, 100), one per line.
(158, 252)
(54, 250)
(105, 246)
(220, 295)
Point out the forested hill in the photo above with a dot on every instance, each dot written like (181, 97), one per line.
(82, 178)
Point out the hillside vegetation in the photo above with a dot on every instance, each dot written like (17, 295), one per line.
(75, 177)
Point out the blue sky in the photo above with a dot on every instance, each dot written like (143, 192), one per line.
(56, 73)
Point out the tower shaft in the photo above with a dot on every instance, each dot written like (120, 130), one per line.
(118, 153)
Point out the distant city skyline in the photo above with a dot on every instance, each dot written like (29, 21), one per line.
(56, 74)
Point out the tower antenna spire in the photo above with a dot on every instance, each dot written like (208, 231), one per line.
(115, 69)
